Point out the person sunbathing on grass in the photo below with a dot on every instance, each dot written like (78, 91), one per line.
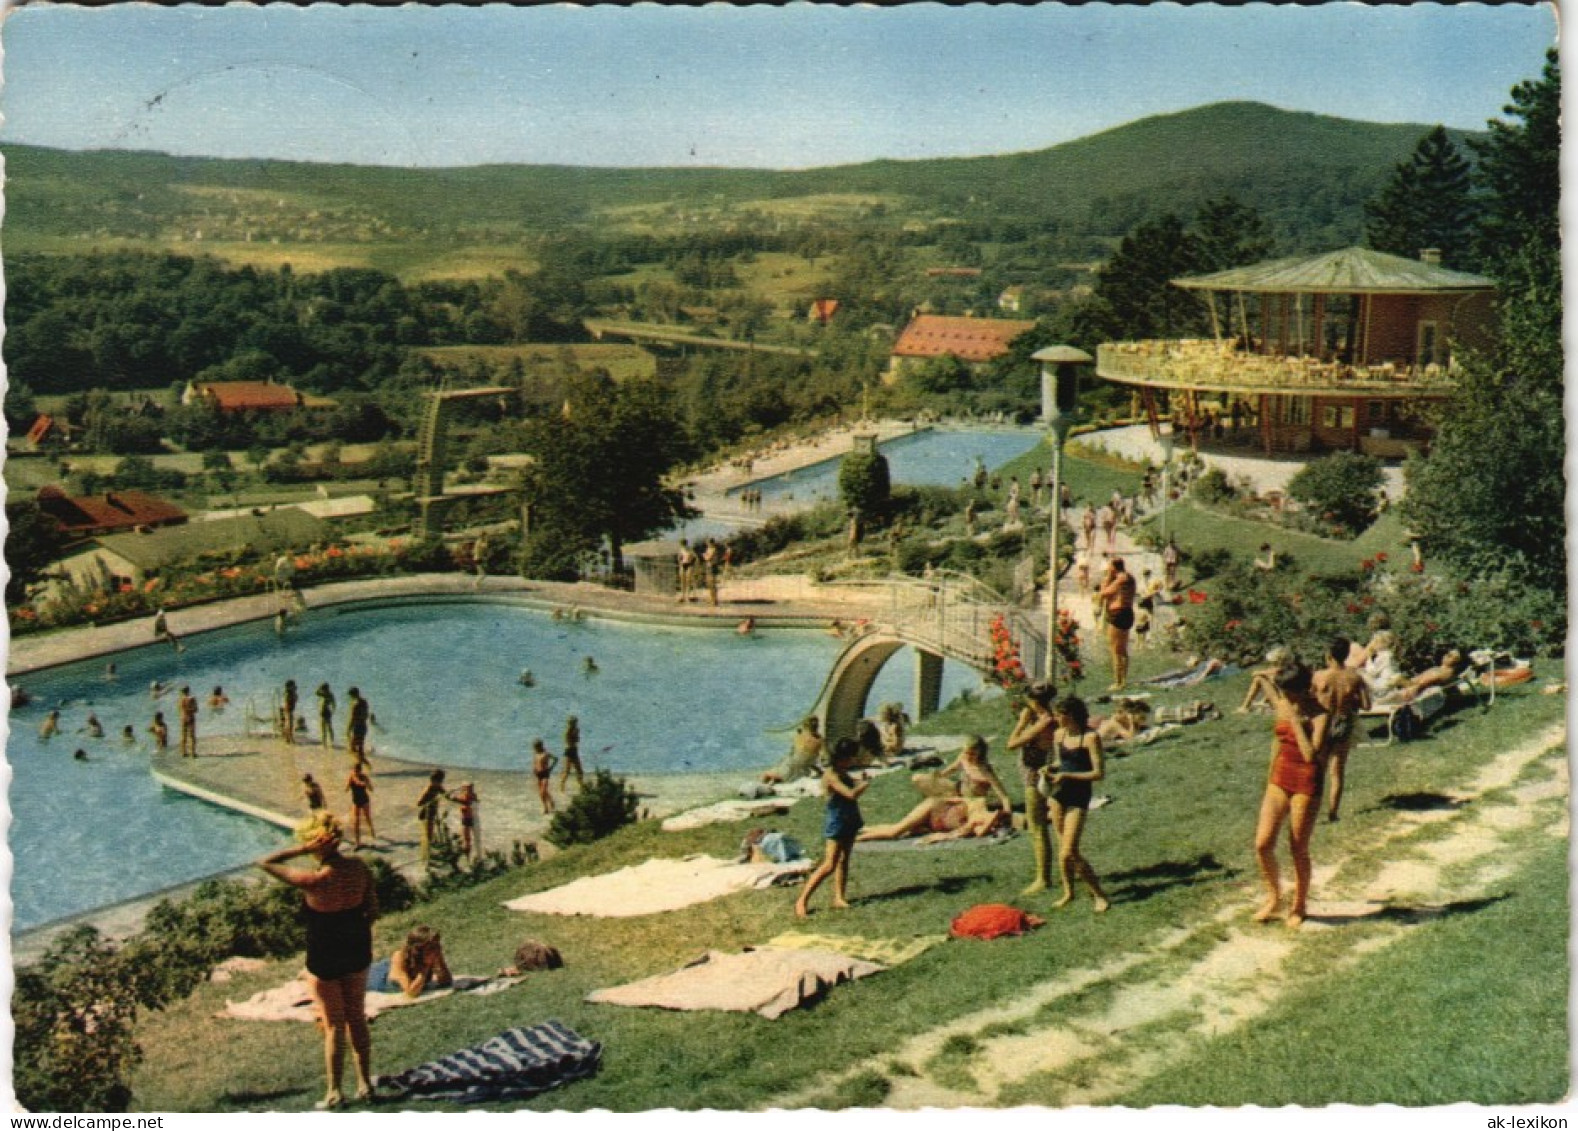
(942, 818)
(1127, 722)
(417, 966)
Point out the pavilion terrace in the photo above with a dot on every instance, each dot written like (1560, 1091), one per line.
(1336, 351)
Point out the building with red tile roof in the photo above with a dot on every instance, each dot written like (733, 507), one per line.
(971, 340)
(87, 516)
(251, 396)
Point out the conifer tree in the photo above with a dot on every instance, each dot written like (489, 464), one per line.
(1428, 203)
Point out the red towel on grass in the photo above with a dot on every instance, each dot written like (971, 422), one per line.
(993, 920)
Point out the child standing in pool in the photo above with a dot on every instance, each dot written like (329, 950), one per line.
(840, 826)
(542, 764)
(160, 731)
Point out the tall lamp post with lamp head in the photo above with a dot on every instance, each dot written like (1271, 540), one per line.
(1059, 407)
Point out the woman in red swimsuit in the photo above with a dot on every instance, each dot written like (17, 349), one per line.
(1292, 791)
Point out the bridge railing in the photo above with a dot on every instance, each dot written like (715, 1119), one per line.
(951, 613)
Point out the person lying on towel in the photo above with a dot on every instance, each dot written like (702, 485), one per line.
(416, 966)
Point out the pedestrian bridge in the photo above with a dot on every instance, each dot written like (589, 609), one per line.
(945, 617)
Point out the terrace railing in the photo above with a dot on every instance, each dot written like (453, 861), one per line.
(1196, 363)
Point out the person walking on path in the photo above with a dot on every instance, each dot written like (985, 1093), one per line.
(572, 756)
(686, 562)
(709, 562)
(1341, 691)
(1032, 737)
(1117, 599)
(1069, 784)
(186, 711)
(356, 728)
(340, 906)
(287, 712)
(470, 834)
(326, 707)
(1292, 790)
(427, 809)
(1170, 558)
(312, 793)
(360, 786)
(1087, 523)
(542, 764)
(840, 825)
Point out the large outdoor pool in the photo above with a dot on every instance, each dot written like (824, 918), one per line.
(933, 457)
(442, 678)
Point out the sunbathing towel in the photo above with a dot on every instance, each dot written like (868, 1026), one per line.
(293, 1001)
(885, 952)
(737, 810)
(767, 981)
(513, 1065)
(656, 885)
(922, 842)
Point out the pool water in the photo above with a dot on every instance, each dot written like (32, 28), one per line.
(935, 457)
(443, 682)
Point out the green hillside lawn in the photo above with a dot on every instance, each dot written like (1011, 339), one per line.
(1174, 848)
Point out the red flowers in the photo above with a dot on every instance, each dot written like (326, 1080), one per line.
(1006, 660)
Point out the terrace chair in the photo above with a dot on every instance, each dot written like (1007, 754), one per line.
(1478, 681)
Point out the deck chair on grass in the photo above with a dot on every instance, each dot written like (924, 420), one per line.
(1484, 671)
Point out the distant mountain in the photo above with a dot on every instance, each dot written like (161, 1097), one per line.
(1307, 173)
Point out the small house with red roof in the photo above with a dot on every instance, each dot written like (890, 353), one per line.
(88, 516)
(974, 341)
(251, 396)
(822, 311)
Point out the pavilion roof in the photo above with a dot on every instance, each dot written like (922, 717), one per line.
(1353, 270)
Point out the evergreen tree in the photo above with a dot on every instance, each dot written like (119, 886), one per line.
(1229, 233)
(1427, 203)
(1489, 498)
(1519, 170)
(1135, 286)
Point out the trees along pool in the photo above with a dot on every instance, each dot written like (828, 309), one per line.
(443, 681)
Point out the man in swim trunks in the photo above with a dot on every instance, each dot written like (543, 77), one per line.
(1117, 599)
(356, 728)
(1341, 691)
(186, 708)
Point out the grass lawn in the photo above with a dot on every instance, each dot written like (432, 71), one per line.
(1174, 849)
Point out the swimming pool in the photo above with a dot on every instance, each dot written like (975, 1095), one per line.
(933, 457)
(443, 681)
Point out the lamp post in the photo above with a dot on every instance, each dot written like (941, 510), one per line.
(1059, 405)
(1167, 441)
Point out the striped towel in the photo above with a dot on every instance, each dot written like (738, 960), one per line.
(513, 1065)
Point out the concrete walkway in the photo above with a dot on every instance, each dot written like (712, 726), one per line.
(1265, 473)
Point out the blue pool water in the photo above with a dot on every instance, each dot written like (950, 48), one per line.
(935, 457)
(442, 678)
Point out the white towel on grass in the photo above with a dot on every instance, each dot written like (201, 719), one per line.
(656, 885)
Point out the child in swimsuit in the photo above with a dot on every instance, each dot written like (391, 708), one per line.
(840, 826)
(542, 764)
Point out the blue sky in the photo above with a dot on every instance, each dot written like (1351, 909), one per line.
(751, 86)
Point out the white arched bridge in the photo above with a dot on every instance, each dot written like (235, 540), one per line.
(944, 617)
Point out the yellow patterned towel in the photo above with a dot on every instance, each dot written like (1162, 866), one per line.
(887, 952)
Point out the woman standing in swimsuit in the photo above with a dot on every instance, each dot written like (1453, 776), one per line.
(542, 764)
(360, 786)
(1032, 737)
(340, 908)
(1079, 767)
(1293, 791)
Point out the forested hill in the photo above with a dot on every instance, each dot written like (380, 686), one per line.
(1307, 174)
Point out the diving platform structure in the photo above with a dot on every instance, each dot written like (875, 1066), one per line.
(432, 452)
